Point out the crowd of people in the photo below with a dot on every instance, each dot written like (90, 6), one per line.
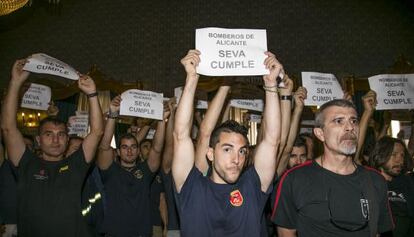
(360, 183)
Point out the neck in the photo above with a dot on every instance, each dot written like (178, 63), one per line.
(339, 164)
(386, 176)
(51, 158)
(128, 165)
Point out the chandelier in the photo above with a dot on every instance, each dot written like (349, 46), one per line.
(9, 6)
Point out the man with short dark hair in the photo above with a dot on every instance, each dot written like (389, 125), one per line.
(49, 186)
(332, 195)
(298, 155)
(127, 183)
(227, 203)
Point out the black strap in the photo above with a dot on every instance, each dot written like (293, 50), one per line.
(373, 204)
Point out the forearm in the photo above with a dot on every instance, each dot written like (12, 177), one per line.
(142, 133)
(169, 145)
(10, 104)
(108, 134)
(96, 121)
(285, 106)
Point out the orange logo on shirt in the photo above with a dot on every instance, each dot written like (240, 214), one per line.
(236, 198)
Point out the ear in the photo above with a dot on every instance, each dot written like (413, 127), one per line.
(319, 134)
(210, 154)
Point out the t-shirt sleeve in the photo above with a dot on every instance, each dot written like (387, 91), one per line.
(385, 220)
(285, 213)
(77, 158)
(192, 181)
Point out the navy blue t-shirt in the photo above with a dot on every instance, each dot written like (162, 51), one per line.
(8, 193)
(127, 193)
(210, 209)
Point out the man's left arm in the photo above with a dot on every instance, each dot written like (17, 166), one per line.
(265, 157)
(91, 141)
(154, 157)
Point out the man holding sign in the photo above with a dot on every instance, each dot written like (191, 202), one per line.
(227, 203)
(49, 186)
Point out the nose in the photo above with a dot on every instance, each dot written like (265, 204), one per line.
(236, 159)
(55, 139)
(349, 125)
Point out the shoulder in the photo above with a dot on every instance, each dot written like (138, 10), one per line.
(303, 170)
(374, 174)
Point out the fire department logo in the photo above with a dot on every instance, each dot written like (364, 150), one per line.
(236, 198)
(158, 178)
(138, 174)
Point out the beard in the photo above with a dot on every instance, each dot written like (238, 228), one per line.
(348, 144)
(390, 170)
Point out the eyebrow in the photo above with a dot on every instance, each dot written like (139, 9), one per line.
(231, 145)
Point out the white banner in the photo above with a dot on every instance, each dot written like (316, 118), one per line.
(42, 63)
(178, 91)
(145, 104)
(321, 87)
(393, 91)
(78, 125)
(231, 52)
(37, 97)
(255, 118)
(256, 105)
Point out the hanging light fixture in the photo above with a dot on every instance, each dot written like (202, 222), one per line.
(9, 6)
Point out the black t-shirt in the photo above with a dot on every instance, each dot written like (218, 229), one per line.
(8, 194)
(318, 202)
(397, 195)
(157, 188)
(173, 219)
(128, 204)
(210, 209)
(49, 196)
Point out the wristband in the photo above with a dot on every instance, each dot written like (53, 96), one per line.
(286, 97)
(113, 114)
(92, 95)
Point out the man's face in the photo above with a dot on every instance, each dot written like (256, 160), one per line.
(395, 164)
(128, 151)
(228, 157)
(53, 139)
(340, 131)
(297, 156)
(145, 148)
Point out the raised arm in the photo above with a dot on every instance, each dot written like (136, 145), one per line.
(1, 149)
(105, 154)
(91, 141)
(369, 101)
(286, 111)
(207, 126)
(183, 160)
(143, 131)
(13, 139)
(167, 156)
(154, 156)
(266, 151)
(300, 96)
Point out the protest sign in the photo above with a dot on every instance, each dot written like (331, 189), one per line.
(231, 52)
(36, 97)
(256, 118)
(393, 91)
(42, 63)
(321, 87)
(78, 125)
(201, 104)
(145, 104)
(256, 105)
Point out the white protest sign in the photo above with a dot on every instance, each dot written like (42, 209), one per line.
(322, 87)
(393, 91)
(78, 124)
(42, 63)
(201, 104)
(145, 104)
(37, 97)
(256, 105)
(231, 52)
(256, 118)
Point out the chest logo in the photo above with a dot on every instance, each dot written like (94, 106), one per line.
(236, 198)
(41, 175)
(138, 174)
(64, 168)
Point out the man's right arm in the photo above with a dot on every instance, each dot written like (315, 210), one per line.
(183, 159)
(12, 137)
(105, 153)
